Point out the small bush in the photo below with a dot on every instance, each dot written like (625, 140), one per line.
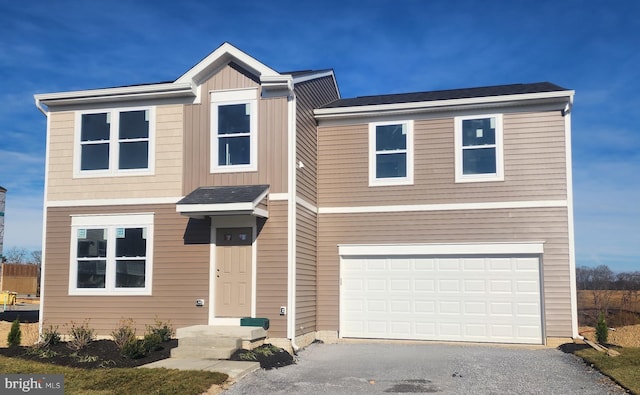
(134, 349)
(15, 334)
(164, 329)
(124, 333)
(602, 331)
(50, 336)
(81, 335)
(152, 342)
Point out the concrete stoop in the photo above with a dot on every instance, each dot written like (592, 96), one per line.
(215, 342)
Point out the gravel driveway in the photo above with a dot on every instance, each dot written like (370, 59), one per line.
(428, 368)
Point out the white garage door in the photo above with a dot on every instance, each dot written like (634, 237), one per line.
(478, 299)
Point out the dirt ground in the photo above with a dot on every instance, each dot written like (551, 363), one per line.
(624, 336)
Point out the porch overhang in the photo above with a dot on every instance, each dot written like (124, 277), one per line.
(225, 200)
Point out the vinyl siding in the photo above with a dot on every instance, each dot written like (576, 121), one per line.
(272, 137)
(534, 165)
(180, 274)
(473, 226)
(306, 298)
(310, 95)
(166, 182)
(272, 269)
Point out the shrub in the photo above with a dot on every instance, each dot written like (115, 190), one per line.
(124, 333)
(134, 349)
(164, 329)
(50, 336)
(152, 342)
(602, 331)
(15, 334)
(81, 335)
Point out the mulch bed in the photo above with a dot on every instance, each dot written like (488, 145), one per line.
(98, 354)
(274, 360)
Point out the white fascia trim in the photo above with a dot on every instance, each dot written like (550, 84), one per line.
(571, 231)
(278, 196)
(139, 92)
(534, 247)
(436, 104)
(111, 202)
(222, 55)
(312, 76)
(443, 207)
(306, 205)
(214, 208)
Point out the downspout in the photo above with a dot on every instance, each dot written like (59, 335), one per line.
(292, 176)
(572, 252)
(44, 215)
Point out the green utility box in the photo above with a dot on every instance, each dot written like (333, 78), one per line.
(248, 321)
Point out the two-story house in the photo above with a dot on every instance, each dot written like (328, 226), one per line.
(238, 191)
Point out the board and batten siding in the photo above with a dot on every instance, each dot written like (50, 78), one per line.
(534, 165)
(547, 225)
(309, 96)
(272, 137)
(272, 269)
(180, 274)
(165, 182)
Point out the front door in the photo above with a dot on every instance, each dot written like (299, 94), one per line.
(233, 272)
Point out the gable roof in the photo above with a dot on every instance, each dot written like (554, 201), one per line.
(465, 93)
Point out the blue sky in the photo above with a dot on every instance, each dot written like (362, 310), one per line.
(374, 47)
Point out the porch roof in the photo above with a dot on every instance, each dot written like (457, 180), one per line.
(225, 200)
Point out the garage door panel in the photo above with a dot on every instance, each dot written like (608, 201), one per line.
(474, 299)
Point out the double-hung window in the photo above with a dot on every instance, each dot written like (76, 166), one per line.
(391, 153)
(111, 255)
(234, 130)
(115, 142)
(478, 141)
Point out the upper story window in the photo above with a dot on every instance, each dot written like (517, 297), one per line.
(234, 130)
(391, 153)
(479, 148)
(111, 255)
(115, 142)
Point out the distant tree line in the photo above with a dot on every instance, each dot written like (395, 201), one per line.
(22, 256)
(603, 278)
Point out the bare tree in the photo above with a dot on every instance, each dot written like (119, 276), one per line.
(16, 255)
(602, 279)
(583, 277)
(36, 257)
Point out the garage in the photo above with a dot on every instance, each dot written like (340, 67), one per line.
(487, 297)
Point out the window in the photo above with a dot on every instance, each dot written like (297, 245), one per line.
(478, 142)
(234, 130)
(115, 142)
(391, 153)
(111, 255)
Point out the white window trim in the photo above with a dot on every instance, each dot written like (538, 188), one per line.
(373, 180)
(227, 97)
(114, 145)
(110, 222)
(499, 174)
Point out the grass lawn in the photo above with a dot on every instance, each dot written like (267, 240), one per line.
(625, 368)
(119, 381)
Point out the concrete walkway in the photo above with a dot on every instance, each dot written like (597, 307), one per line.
(235, 369)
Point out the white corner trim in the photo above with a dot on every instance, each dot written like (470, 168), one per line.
(443, 207)
(111, 202)
(571, 230)
(534, 247)
(278, 196)
(306, 205)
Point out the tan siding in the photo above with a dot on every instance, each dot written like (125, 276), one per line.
(309, 96)
(306, 229)
(272, 138)
(180, 275)
(534, 165)
(166, 182)
(524, 225)
(272, 269)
